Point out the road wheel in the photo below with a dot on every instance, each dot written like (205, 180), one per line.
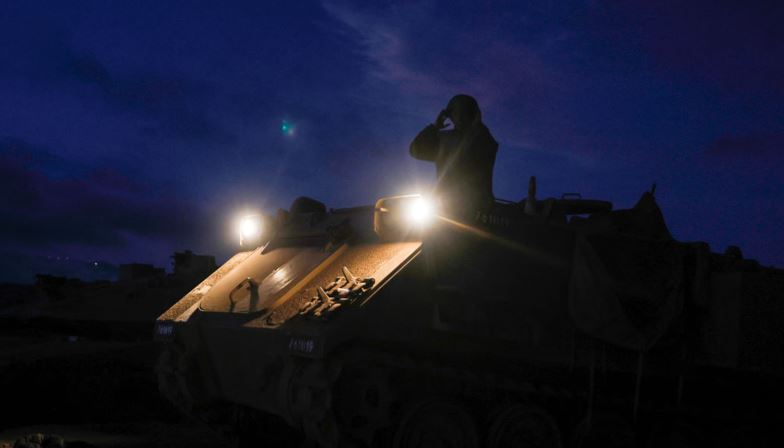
(523, 426)
(436, 423)
(675, 435)
(605, 431)
(741, 436)
(171, 378)
(363, 402)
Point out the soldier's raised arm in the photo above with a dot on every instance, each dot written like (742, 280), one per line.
(425, 144)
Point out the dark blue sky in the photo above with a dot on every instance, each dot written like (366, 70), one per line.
(129, 130)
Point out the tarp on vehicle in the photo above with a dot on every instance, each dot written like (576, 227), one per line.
(625, 290)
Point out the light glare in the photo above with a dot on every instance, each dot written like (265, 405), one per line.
(250, 228)
(420, 211)
(287, 128)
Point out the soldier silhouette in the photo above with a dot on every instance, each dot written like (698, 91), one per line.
(464, 156)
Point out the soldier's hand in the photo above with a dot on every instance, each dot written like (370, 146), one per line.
(440, 122)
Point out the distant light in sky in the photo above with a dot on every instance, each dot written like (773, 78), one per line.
(287, 128)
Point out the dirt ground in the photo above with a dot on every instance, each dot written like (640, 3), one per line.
(78, 361)
(123, 435)
(90, 392)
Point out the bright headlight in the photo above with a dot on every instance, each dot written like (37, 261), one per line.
(420, 211)
(402, 217)
(250, 229)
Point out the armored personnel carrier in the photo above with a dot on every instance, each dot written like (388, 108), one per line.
(546, 323)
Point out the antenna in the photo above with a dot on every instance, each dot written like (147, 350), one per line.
(530, 201)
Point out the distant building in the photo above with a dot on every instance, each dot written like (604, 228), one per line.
(188, 264)
(52, 285)
(50, 281)
(132, 272)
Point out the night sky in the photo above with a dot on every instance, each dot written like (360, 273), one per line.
(129, 130)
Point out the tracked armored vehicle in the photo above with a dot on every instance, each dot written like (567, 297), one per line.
(548, 323)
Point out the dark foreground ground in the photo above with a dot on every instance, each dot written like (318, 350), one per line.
(89, 389)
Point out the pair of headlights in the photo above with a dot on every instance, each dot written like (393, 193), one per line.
(394, 217)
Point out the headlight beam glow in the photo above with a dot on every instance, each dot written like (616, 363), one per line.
(249, 228)
(420, 211)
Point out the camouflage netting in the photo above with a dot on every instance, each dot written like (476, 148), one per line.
(627, 291)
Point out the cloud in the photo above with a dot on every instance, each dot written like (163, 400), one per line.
(161, 105)
(756, 146)
(173, 103)
(141, 91)
(423, 52)
(418, 56)
(383, 43)
(732, 45)
(98, 208)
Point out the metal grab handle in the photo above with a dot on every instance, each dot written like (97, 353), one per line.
(252, 287)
